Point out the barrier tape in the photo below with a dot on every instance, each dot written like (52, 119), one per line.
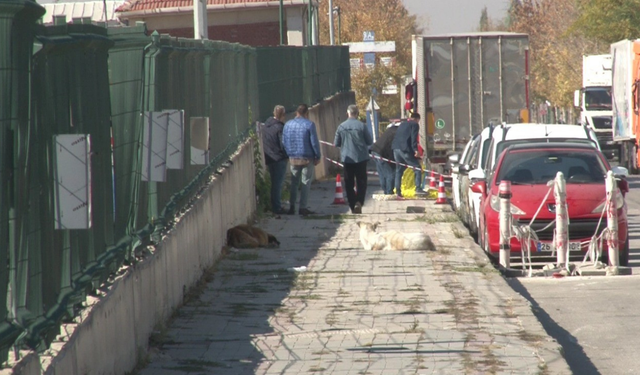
(389, 161)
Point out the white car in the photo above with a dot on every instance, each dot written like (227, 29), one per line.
(494, 139)
(458, 167)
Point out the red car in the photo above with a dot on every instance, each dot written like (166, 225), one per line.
(529, 167)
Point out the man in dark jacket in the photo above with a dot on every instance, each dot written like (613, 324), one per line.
(354, 140)
(275, 156)
(405, 151)
(382, 148)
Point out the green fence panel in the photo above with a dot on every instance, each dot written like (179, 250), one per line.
(126, 75)
(293, 75)
(17, 31)
(71, 96)
(87, 80)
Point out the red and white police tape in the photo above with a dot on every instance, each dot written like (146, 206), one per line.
(387, 160)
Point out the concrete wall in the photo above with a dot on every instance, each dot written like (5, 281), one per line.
(113, 333)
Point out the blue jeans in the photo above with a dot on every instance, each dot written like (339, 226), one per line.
(406, 158)
(301, 176)
(277, 171)
(386, 173)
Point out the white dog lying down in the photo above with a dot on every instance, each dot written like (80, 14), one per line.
(392, 240)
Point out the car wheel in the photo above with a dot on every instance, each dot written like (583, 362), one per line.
(473, 226)
(485, 241)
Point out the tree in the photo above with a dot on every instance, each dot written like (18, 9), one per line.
(485, 22)
(555, 51)
(608, 21)
(390, 21)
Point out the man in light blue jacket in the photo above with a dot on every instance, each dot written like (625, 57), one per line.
(354, 140)
(301, 143)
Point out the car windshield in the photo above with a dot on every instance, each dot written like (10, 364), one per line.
(537, 167)
(504, 144)
(597, 98)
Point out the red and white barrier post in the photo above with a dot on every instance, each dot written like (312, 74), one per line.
(612, 220)
(504, 193)
(561, 237)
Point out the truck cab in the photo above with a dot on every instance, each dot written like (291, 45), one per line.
(595, 103)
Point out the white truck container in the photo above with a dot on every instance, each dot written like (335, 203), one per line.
(594, 101)
(625, 64)
(466, 81)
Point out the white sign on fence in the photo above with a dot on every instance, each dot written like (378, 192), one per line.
(72, 185)
(175, 138)
(199, 140)
(154, 147)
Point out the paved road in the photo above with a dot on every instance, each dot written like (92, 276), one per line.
(595, 319)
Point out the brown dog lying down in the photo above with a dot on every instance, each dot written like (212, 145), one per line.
(247, 236)
(392, 240)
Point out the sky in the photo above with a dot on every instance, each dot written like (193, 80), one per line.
(454, 16)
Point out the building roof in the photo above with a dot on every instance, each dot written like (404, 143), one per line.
(145, 5)
(87, 9)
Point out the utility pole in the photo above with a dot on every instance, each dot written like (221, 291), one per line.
(200, 25)
(281, 16)
(331, 38)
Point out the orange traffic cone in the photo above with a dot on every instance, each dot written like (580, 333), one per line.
(339, 198)
(432, 181)
(442, 196)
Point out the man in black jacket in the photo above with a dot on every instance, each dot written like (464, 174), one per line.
(382, 148)
(405, 151)
(275, 156)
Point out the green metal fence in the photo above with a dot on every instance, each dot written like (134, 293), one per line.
(87, 80)
(293, 75)
(17, 29)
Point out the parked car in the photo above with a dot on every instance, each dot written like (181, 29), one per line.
(529, 167)
(494, 139)
(459, 168)
(505, 135)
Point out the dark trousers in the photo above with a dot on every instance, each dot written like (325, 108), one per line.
(409, 159)
(355, 172)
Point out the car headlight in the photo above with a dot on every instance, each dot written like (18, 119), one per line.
(495, 205)
(619, 204)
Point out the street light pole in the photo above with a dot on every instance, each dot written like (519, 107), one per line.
(337, 10)
(331, 37)
(281, 22)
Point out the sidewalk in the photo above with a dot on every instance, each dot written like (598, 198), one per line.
(353, 311)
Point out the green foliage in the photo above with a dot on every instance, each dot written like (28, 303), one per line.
(608, 20)
(364, 80)
(390, 21)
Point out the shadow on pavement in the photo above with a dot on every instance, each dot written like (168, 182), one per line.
(578, 361)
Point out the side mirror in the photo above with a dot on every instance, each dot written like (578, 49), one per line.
(479, 187)
(576, 98)
(477, 175)
(463, 168)
(619, 171)
(454, 158)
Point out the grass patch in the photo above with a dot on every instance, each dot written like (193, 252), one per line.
(243, 256)
(415, 328)
(241, 309)
(483, 270)
(434, 219)
(338, 218)
(457, 233)
(317, 369)
(307, 297)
